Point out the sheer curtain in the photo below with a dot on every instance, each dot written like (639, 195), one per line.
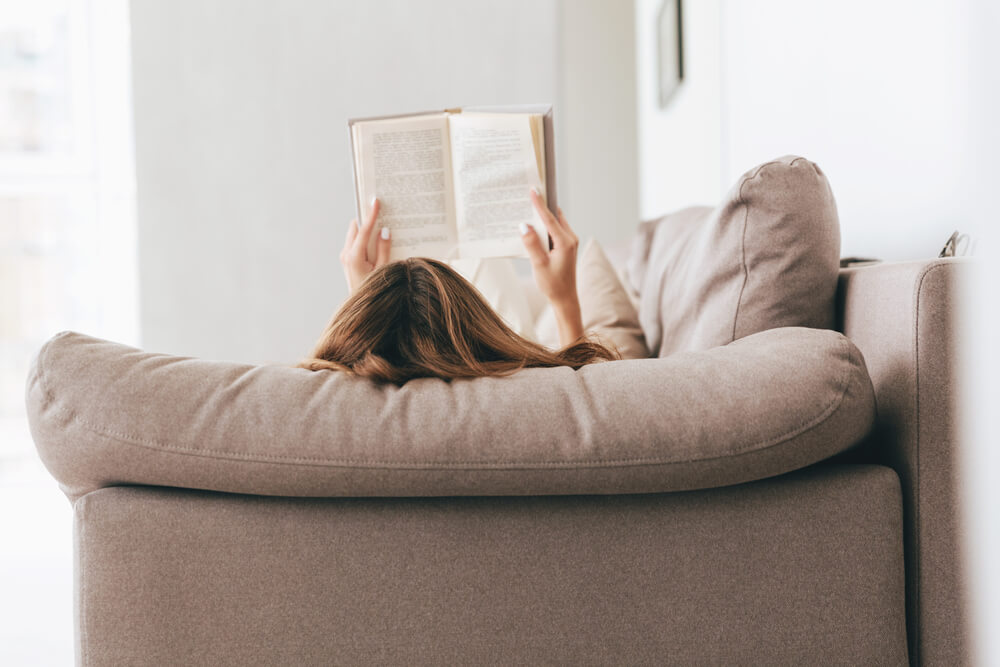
(67, 261)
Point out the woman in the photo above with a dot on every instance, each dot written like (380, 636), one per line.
(419, 318)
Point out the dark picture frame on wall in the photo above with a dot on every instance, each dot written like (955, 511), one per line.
(669, 50)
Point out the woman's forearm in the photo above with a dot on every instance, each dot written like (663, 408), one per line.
(569, 320)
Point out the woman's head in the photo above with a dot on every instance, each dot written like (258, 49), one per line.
(419, 318)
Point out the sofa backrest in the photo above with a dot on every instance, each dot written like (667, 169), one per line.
(902, 316)
(104, 414)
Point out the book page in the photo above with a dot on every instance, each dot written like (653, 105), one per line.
(405, 162)
(495, 163)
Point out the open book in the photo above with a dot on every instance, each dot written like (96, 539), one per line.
(454, 183)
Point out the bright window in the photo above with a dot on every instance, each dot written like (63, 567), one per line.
(67, 187)
(67, 261)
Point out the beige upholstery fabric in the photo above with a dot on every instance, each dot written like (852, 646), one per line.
(607, 311)
(766, 257)
(800, 570)
(104, 414)
(902, 316)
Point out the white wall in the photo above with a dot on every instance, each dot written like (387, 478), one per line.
(244, 182)
(877, 93)
(680, 146)
(598, 136)
(981, 354)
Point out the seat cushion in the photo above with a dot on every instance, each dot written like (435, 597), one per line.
(105, 414)
(766, 257)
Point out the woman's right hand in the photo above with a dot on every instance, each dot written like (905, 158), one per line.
(555, 269)
(354, 257)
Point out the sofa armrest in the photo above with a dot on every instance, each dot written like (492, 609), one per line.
(902, 318)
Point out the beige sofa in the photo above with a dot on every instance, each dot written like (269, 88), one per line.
(597, 517)
(764, 490)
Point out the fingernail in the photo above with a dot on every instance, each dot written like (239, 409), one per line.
(374, 199)
(535, 190)
(523, 227)
(385, 233)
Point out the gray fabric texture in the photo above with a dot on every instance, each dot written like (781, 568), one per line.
(766, 257)
(902, 317)
(803, 569)
(103, 414)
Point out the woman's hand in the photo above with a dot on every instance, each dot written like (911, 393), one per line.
(555, 269)
(354, 257)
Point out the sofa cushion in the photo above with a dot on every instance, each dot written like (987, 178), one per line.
(766, 257)
(105, 414)
(605, 306)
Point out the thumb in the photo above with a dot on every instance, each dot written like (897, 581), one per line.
(533, 245)
(382, 247)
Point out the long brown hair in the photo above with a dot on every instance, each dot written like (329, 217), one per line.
(419, 318)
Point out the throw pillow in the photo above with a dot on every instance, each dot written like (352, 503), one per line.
(607, 311)
(766, 257)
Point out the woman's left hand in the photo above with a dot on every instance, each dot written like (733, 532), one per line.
(555, 268)
(354, 257)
